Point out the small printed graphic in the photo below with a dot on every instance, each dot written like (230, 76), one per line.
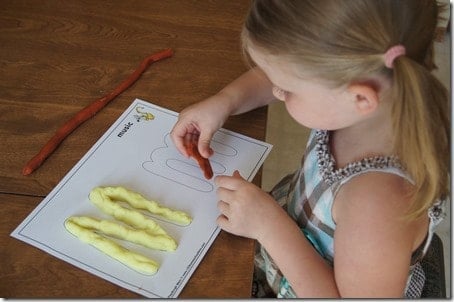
(143, 115)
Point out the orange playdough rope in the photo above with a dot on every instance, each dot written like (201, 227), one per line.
(190, 144)
(90, 111)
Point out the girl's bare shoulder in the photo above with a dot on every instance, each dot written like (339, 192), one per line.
(373, 242)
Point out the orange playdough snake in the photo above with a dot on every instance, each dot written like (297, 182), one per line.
(90, 111)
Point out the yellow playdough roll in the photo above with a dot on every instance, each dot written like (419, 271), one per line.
(129, 258)
(161, 242)
(137, 228)
(128, 216)
(111, 194)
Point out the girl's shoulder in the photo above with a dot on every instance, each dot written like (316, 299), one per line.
(373, 191)
(372, 239)
(376, 193)
(382, 200)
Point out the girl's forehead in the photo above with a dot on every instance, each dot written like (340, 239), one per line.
(277, 68)
(282, 70)
(263, 58)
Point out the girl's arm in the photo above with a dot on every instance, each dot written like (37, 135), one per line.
(251, 90)
(306, 271)
(372, 241)
(248, 211)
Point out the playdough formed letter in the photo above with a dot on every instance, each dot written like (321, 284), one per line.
(136, 228)
(129, 258)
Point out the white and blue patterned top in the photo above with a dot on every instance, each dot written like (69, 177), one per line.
(308, 196)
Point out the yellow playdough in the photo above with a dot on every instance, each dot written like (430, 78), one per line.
(131, 259)
(161, 242)
(105, 198)
(138, 229)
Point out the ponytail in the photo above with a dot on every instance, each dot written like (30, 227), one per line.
(346, 41)
(421, 124)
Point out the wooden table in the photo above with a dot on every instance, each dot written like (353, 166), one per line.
(58, 56)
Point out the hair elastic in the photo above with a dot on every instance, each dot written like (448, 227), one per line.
(392, 53)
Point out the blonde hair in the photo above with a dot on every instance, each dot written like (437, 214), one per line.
(343, 42)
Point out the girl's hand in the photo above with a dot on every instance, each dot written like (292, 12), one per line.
(249, 91)
(203, 120)
(246, 210)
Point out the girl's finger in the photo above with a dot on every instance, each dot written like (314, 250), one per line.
(237, 174)
(225, 195)
(224, 208)
(228, 182)
(222, 222)
(178, 136)
(204, 144)
(180, 147)
(190, 142)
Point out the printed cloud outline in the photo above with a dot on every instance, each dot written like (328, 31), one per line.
(166, 162)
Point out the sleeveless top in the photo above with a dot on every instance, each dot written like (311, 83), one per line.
(308, 197)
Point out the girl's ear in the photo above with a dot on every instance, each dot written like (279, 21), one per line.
(365, 97)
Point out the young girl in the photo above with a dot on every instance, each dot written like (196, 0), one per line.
(358, 216)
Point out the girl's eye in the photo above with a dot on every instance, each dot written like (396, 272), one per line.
(280, 93)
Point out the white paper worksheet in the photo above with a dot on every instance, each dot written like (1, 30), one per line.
(137, 153)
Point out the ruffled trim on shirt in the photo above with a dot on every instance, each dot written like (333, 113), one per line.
(327, 163)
